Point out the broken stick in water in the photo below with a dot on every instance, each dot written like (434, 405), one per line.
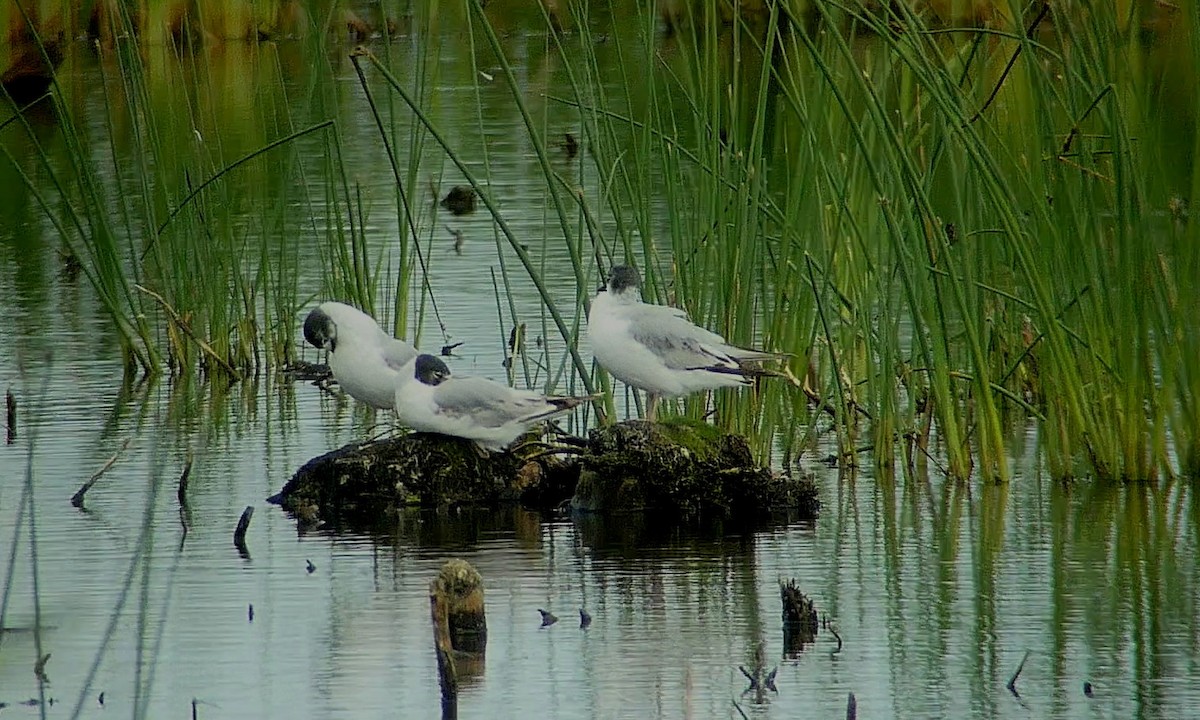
(11, 402)
(239, 535)
(181, 493)
(447, 673)
(1012, 682)
(77, 498)
(39, 669)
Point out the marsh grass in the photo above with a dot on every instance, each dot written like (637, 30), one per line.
(954, 233)
(197, 273)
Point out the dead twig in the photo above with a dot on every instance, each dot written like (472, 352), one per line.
(239, 535)
(181, 493)
(77, 498)
(1011, 61)
(1012, 681)
(187, 330)
(39, 669)
(10, 402)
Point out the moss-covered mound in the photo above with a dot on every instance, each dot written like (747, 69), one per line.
(683, 467)
(370, 481)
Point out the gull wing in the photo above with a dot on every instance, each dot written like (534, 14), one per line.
(677, 342)
(396, 353)
(488, 403)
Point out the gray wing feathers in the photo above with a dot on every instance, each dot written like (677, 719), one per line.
(397, 353)
(489, 403)
(684, 346)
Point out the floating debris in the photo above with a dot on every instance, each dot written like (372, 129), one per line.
(460, 200)
(307, 371)
(460, 240)
(181, 493)
(250, 613)
(39, 669)
(570, 145)
(308, 565)
(71, 267)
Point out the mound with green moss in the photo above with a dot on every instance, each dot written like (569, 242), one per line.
(682, 467)
(679, 467)
(370, 481)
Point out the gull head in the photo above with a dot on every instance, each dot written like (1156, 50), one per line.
(623, 279)
(320, 330)
(430, 370)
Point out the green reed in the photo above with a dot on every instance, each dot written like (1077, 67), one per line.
(946, 229)
(196, 275)
(953, 232)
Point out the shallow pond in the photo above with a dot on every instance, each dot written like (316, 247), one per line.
(937, 590)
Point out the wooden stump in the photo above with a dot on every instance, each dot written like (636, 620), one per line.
(459, 627)
(460, 586)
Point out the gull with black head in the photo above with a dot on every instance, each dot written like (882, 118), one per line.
(656, 348)
(490, 413)
(365, 360)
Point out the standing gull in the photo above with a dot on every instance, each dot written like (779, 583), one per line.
(657, 349)
(475, 408)
(364, 359)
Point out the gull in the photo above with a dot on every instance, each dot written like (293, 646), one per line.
(656, 348)
(364, 359)
(475, 408)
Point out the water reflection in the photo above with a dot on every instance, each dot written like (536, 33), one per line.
(937, 590)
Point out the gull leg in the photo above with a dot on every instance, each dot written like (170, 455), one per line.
(651, 406)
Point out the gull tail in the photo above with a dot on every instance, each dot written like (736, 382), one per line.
(745, 355)
(563, 403)
(747, 373)
(744, 363)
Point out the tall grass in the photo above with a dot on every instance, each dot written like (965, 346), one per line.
(953, 231)
(198, 273)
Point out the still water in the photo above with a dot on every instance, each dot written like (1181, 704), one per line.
(937, 590)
